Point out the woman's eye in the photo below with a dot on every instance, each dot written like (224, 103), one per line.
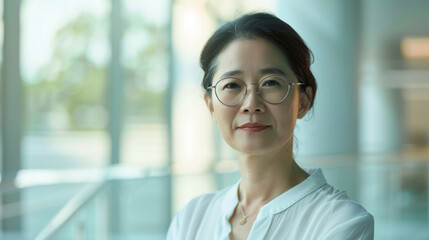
(271, 83)
(231, 86)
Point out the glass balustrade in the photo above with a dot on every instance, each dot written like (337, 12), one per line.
(139, 204)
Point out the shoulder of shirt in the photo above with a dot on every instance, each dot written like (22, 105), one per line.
(337, 202)
(343, 218)
(188, 219)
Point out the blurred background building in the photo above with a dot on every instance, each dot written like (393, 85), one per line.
(105, 133)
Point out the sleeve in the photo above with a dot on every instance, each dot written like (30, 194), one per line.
(358, 228)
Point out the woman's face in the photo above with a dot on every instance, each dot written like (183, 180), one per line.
(255, 126)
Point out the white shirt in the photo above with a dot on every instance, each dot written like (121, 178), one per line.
(310, 210)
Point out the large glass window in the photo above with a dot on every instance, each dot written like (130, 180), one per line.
(146, 66)
(65, 51)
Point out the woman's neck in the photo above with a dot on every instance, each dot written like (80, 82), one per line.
(266, 176)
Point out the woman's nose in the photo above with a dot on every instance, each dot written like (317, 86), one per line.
(252, 102)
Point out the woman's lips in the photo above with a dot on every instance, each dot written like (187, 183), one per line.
(253, 127)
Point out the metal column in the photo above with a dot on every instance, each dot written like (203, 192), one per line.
(11, 107)
(115, 106)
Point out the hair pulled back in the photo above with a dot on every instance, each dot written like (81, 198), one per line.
(260, 26)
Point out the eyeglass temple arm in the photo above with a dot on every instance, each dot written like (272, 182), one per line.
(211, 87)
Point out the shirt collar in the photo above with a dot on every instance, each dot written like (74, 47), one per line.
(281, 202)
(231, 200)
(293, 195)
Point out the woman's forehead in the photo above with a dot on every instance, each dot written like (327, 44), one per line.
(243, 56)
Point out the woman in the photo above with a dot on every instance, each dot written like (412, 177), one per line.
(257, 84)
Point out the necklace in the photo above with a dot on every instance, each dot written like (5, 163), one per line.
(244, 219)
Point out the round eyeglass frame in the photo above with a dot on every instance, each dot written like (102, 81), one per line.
(257, 92)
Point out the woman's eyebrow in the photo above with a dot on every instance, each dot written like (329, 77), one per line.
(262, 71)
(271, 71)
(231, 73)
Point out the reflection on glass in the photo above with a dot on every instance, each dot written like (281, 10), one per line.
(145, 59)
(64, 57)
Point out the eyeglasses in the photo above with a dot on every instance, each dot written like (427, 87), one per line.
(273, 89)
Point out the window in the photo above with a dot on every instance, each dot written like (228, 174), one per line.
(65, 52)
(146, 82)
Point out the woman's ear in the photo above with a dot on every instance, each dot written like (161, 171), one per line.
(305, 101)
(209, 104)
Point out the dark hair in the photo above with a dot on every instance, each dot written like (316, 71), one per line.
(267, 27)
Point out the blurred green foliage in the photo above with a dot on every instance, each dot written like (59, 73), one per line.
(69, 91)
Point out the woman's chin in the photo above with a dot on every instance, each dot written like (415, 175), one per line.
(254, 148)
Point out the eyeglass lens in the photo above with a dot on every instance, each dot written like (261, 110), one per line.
(231, 91)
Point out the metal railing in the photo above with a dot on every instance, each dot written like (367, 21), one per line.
(396, 192)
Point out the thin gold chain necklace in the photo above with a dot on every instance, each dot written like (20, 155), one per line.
(244, 219)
